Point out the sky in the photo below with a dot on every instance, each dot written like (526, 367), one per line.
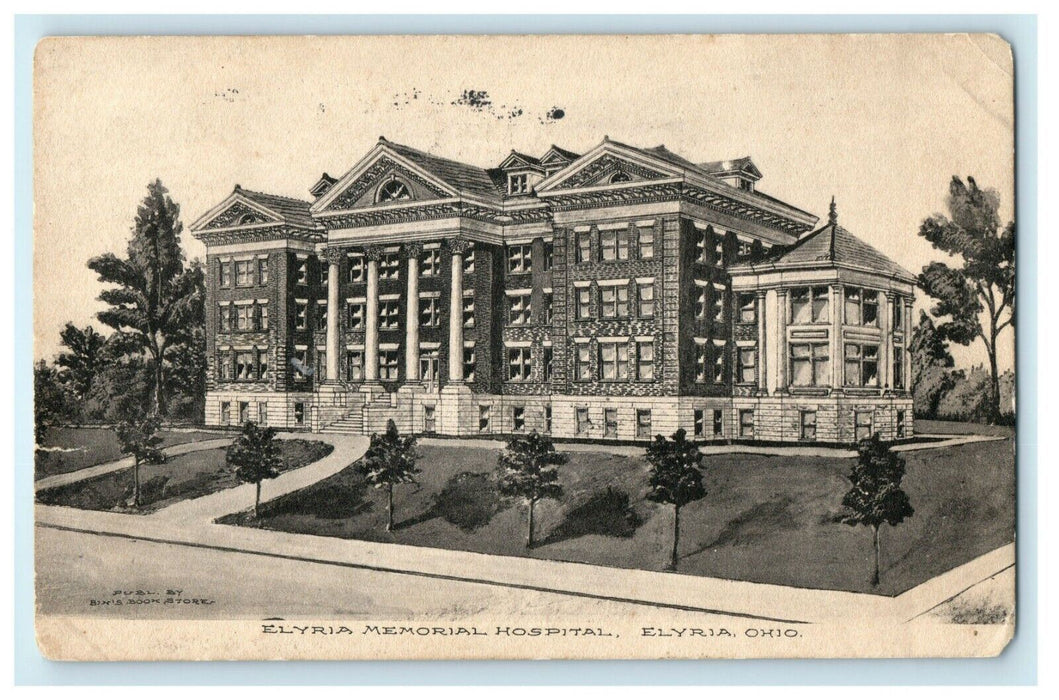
(880, 122)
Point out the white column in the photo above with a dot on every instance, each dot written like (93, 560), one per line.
(886, 302)
(762, 345)
(411, 332)
(781, 340)
(333, 256)
(837, 358)
(371, 320)
(456, 314)
(908, 342)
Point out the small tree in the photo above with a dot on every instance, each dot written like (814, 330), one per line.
(82, 360)
(675, 478)
(876, 496)
(255, 456)
(139, 438)
(390, 460)
(49, 400)
(528, 469)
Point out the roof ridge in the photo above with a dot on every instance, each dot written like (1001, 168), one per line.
(270, 194)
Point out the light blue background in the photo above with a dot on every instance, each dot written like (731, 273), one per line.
(1018, 664)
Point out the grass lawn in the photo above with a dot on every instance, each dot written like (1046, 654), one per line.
(87, 447)
(767, 519)
(950, 427)
(182, 477)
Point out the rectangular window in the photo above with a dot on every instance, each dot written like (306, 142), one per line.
(548, 418)
(547, 299)
(716, 304)
(519, 259)
(810, 364)
(301, 271)
(583, 358)
(262, 270)
(582, 420)
(224, 366)
(299, 413)
(584, 246)
(355, 315)
(262, 316)
(301, 315)
(244, 412)
(862, 425)
(643, 423)
(321, 363)
(645, 300)
(428, 365)
(718, 422)
(429, 419)
(388, 314)
(807, 422)
(900, 428)
(301, 365)
(224, 318)
(614, 301)
(647, 243)
(262, 364)
(899, 368)
(745, 249)
(430, 311)
(519, 309)
(518, 418)
(321, 315)
(746, 362)
(468, 364)
(898, 315)
(610, 422)
(355, 365)
(325, 272)
(226, 274)
(747, 308)
(701, 245)
(862, 365)
(468, 260)
(549, 257)
(520, 365)
(226, 412)
(718, 248)
(718, 363)
(244, 314)
(244, 273)
(746, 423)
(389, 266)
(702, 303)
(388, 364)
(518, 184)
(357, 269)
(584, 302)
(244, 366)
(700, 423)
(702, 363)
(430, 264)
(614, 361)
(468, 311)
(614, 244)
(484, 412)
(862, 307)
(645, 360)
(548, 363)
(262, 413)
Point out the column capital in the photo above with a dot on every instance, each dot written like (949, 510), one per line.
(459, 246)
(373, 252)
(412, 250)
(334, 255)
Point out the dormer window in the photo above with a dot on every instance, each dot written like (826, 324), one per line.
(518, 184)
(620, 177)
(747, 185)
(393, 191)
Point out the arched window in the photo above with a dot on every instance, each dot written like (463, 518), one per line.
(393, 191)
(246, 219)
(620, 177)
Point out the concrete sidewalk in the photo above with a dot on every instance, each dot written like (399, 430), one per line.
(126, 463)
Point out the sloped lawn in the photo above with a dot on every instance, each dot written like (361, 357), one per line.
(766, 519)
(79, 448)
(182, 477)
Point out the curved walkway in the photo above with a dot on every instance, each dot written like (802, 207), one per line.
(124, 463)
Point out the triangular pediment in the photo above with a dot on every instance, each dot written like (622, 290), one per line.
(609, 164)
(237, 211)
(518, 160)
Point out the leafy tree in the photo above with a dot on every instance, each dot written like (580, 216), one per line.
(255, 456)
(932, 373)
(49, 400)
(675, 478)
(875, 496)
(83, 359)
(154, 298)
(140, 439)
(390, 460)
(984, 286)
(528, 469)
(122, 390)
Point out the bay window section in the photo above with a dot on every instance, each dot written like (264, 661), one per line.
(746, 365)
(809, 305)
(862, 307)
(810, 364)
(862, 365)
